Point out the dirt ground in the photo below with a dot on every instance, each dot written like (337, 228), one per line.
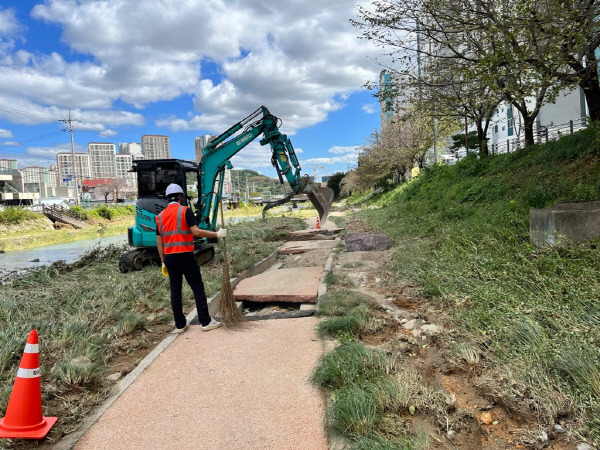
(476, 421)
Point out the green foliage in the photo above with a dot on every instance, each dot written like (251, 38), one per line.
(111, 212)
(334, 182)
(253, 180)
(82, 213)
(458, 140)
(14, 215)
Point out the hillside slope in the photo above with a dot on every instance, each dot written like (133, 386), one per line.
(529, 316)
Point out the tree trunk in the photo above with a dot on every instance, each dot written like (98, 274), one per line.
(482, 139)
(591, 90)
(528, 128)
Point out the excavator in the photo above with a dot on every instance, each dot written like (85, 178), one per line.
(153, 177)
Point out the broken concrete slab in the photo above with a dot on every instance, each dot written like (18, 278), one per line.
(295, 247)
(366, 242)
(299, 285)
(313, 235)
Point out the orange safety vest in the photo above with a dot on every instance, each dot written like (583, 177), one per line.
(177, 236)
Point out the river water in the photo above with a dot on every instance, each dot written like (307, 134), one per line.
(69, 252)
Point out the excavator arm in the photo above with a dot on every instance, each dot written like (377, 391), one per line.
(218, 152)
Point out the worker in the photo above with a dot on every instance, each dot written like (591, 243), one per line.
(175, 231)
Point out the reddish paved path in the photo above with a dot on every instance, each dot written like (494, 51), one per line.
(223, 390)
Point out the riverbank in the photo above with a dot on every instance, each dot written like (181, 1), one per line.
(41, 232)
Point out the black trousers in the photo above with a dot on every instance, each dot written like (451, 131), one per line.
(182, 265)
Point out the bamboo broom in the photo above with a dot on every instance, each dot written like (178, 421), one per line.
(230, 314)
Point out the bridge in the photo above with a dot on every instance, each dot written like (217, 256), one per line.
(62, 214)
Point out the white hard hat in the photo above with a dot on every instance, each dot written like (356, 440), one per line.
(173, 189)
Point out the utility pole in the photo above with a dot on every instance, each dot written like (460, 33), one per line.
(70, 122)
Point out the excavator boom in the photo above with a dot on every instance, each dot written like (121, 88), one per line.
(217, 153)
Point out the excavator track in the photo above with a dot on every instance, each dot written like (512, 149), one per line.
(131, 260)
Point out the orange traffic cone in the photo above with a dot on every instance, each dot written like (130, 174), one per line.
(318, 226)
(24, 412)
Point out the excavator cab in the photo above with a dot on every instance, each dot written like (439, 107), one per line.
(153, 177)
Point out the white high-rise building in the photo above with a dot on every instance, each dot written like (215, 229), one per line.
(53, 176)
(8, 164)
(123, 165)
(199, 144)
(102, 159)
(35, 174)
(156, 146)
(64, 165)
(131, 148)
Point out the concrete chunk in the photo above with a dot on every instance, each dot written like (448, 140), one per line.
(366, 242)
(295, 247)
(299, 285)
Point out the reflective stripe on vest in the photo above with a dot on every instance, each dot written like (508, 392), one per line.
(177, 236)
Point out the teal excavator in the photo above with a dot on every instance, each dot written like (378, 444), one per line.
(153, 177)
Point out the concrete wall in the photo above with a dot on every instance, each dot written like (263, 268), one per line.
(565, 223)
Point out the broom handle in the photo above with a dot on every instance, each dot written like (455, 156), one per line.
(224, 239)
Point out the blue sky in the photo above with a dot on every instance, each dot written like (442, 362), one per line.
(185, 68)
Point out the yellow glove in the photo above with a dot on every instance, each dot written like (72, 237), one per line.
(164, 271)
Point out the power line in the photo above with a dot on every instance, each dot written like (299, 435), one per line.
(26, 113)
(97, 127)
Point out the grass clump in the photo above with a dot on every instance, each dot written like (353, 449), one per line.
(350, 363)
(349, 313)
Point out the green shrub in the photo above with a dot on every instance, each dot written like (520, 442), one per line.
(14, 215)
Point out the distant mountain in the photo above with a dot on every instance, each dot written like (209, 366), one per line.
(256, 184)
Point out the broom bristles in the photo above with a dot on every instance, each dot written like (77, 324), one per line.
(230, 314)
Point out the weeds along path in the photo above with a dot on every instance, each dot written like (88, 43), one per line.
(445, 393)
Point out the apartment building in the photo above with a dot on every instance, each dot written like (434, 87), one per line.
(66, 163)
(123, 165)
(199, 144)
(35, 174)
(52, 177)
(156, 146)
(8, 164)
(102, 159)
(131, 148)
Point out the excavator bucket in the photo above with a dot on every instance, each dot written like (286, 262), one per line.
(321, 198)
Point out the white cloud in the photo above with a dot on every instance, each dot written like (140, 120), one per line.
(253, 156)
(369, 108)
(5, 134)
(9, 25)
(300, 59)
(336, 149)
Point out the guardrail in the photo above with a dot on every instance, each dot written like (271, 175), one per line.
(542, 134)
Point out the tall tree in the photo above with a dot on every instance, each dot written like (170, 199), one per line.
(486, 43)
